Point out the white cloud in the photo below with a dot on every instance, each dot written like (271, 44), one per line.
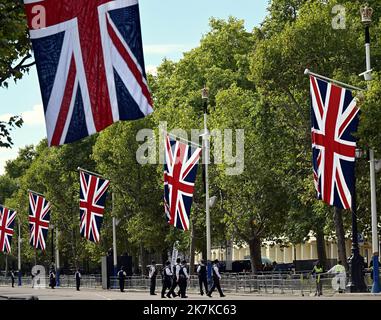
(34, 117)
(151, 69)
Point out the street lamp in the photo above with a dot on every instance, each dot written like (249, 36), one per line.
(356, 260)
(366, 19)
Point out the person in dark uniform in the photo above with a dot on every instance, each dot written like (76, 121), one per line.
(52, 278)
(175, 270)
(152, 275)
(13, 278)
(78, 279)
(216, 280)
(121, 276)
(202, 276)
(182, 279)
(167, 280)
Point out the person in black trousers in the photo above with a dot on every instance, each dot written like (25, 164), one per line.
(202, 276)
(167, 279)
(216, 280)
(121, 276)
(176, 269)
(13, 278)
(78, 279)
(182, 278)
(152, 275)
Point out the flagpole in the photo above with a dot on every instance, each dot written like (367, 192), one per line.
(19, 254)
(205, 139)
(366, 17)
(115, 256)
(308, 72)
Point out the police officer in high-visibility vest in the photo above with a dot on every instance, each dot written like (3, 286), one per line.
(167, 280)
(339, 271)
(317, 271)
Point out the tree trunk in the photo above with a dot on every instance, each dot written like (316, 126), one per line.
(255, 254)
(339, 226)
(320, 246)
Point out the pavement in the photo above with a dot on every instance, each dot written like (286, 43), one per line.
(27, 293)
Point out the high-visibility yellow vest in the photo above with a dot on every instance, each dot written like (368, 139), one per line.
(339, 268)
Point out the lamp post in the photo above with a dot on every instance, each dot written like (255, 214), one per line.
(57, 261)
(356, 261)
(205, 140)
(366, 19)
(19, 255)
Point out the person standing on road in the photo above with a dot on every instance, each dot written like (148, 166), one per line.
(216, 280)
(175, 271)
(182, 279)
(317, 271)
(167, 280)
(152, 275)
(52, 278)
(121, 276)
(78, 279)
(13, 278)
(341, 275)
(202, 276)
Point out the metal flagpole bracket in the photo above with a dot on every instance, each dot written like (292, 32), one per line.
(182, 139)
(309, 73)
(93, 173)
(34, 192)
(367, 75)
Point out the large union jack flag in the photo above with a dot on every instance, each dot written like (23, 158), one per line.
(39, 218)
(180, 170)
(92, 203)
(90, 64)
(7, 222)
(335, 117)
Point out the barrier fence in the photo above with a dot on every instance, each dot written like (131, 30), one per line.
(269, 283)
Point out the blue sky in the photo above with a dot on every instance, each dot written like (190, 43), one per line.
(169, 27)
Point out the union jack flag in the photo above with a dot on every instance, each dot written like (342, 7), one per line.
(180, 170)
(39, 218)
(335, 117)
(89, 58)
(92, 203)
(7, 222)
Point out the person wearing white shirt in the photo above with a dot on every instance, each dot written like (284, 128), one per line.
(78, 279)
(152, 276)
(216, 280)
(182, 278)
(167, 280)
(202, 277)
(339, 282)
(176, 270)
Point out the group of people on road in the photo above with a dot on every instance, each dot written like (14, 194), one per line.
(178, 276)
(340, 277)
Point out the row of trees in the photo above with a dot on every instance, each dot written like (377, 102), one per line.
(256, 83)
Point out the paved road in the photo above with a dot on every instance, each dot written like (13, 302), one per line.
(99, 294)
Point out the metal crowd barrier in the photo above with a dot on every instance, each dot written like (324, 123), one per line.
(243, 283)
